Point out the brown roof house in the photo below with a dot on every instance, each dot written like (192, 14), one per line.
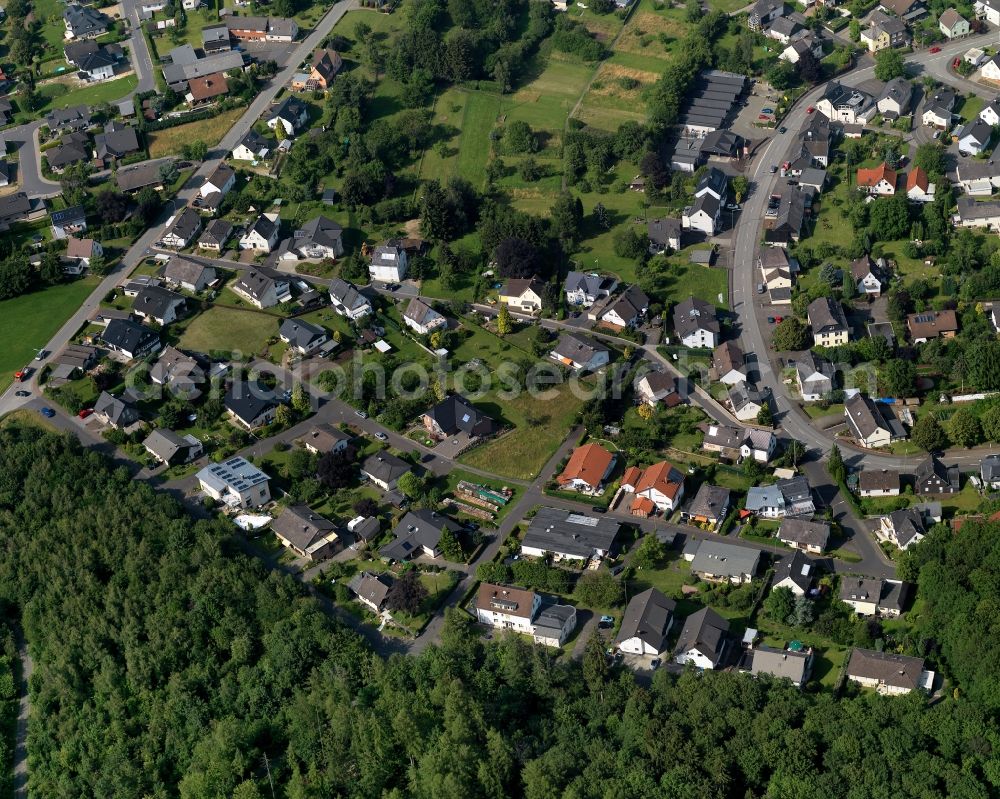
(931, 324)
(587, 469)
(506, 607)
(888, 673)
(306, 533)
(371, 589)
(805, 535)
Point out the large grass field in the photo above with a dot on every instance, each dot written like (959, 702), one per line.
(29, 321)
(170, 141)
(540, 427)
(221, 328)
(471, 115)
(59, 95)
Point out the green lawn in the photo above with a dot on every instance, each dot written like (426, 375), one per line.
(680, 280)
(469, 116)
(546, 101)
(58, 95)
(229, 329)
(29, 321)
(523, 452)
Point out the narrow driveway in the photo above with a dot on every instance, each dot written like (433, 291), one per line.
(23, 712)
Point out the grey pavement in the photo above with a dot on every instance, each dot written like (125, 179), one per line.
(20, 782)
(24, 138)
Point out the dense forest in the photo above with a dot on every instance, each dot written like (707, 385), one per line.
(170, 664)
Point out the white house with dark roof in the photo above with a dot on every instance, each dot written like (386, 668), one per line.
(181, 229)
(663, 233)
(904, 528)
(301, 336)
(317, 239)
(888, 673)
(794, 572)
(348, 301)
(418, 533)
(569, 535)
(129, 338)
(263, 288)
(646, 624)
(292, 114)
(189, 275)
(247, 407)
(384, 469)
(828, 323)
(388, 264)
(584, 289)
(371, 589)
(696, 323)
(262, 235)
(421, 318)
(160, 305)
(803, 534)
(867, 423)
(703, 640)
(580, 352)
(719, 561)
(655, 387)
(814, 377)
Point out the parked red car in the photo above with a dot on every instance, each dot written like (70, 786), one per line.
(85, 413)
(935, 49)
(810, 109)
(955, 63)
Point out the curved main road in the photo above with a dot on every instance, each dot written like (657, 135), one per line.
(795, 424)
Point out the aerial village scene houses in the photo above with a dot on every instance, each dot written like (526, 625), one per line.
(693, 367)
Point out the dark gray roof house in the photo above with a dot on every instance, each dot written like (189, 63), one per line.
(159, 304)
(346, 296)
(129, 338)
(384, 467)
(664, 232)
(63, 155)
(319, 237)
(804, 534)
(84, 22)
(568, 534)
(704, 632)
(418, 532)
(116, 141)
(933, 477)
(648, 617)
(303, 336)
(170, 447)
(248, 407)
(455, 414)
(138, 176)
(216, 234)
(114, 411)
(372, 589)
(795, 568)
(989, 470)
(694, 314)
(75, 117)
(826, 316)
(711, 502)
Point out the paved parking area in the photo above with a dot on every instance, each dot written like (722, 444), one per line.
(745, 124)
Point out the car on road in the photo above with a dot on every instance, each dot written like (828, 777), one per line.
(427, 458)
(761, 288)
(774, 168)
(381, 436)
(934, 49)
(22, 374)
(770, 319)
(362, 414)
(767, 110)
(83, 414)
(22, 393)
(606, 622)
(599, 508)
(765, 117)
(654, 664)
(733, 206)
(810, 109)
(955, 63)
(47, 412)
(782, 129)
(778, 319)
